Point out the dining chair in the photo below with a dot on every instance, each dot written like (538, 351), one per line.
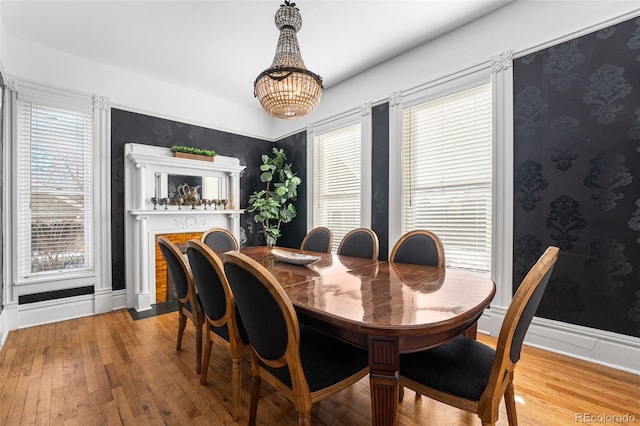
(304, 364)
(222, 322)
(360, 242)
(188, 302)
(219, 239)
(471, 376)
(418, 247)
(318, 239)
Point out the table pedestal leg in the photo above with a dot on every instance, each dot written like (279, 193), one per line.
(384, 360)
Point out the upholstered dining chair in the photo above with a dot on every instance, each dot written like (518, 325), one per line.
(318, 239)
(360, 242)
(471, 376)
(188, 302)
(219, 239)
(299, 361)
(418, 247)
(222, 322)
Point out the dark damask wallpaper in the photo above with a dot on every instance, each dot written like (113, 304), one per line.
(138, 128)
(296, 149)
(577, 171)
(380, 176)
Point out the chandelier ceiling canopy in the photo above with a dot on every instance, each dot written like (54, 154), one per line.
(288, 89)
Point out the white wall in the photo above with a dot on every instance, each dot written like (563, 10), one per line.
(131, 91)
(519, 26)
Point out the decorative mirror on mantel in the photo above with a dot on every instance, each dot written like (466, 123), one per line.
(169, 195)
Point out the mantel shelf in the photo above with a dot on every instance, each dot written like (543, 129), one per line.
(183, 212)
(143, 155)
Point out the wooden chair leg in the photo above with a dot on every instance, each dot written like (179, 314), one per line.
(400, 393)
(472, 332)
(182, 324)
(510, 402)
(304, 419)
(205, 360)
(236, 383)
(198, 348)
(255, 394)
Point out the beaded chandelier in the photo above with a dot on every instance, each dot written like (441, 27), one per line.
(288, 89)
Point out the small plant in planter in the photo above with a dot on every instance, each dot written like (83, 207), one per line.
(274, 205)
(180, 151)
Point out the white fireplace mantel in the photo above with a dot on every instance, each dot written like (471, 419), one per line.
(144, 166)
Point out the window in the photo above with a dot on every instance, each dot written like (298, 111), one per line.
(447, 173)
(54, 190)
(340, 179)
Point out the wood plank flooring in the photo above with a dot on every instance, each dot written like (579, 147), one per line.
(110, 370)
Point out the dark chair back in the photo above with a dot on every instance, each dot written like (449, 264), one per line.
(266, 311)
(219, 239)
(178, 267)
(526, 301)
(318, 239)
(189, 306)
(223, 324)
(360, 242)
(306, 369)
(419, 247)
(516, 322)
(209, 280)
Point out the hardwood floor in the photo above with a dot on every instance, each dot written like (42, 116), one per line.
(109, 370)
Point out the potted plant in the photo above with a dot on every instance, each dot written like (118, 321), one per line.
(193, 153)
(274, 204)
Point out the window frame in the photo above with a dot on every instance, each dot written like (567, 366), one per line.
(25, 192)
(362, 116)
(465, 86)
(98, 108)
(499, 71)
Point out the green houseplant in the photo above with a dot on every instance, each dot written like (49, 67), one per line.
(273, 205)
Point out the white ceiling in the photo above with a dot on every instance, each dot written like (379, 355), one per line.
(219, 47)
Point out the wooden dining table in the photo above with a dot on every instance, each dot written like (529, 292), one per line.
(386, 308)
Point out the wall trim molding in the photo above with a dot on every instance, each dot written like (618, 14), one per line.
(578, 33)
(50, 311)
(588, 344)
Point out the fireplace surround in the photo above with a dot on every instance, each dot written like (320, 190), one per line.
(146, 172)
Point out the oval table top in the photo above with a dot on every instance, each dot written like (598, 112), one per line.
(390, 298)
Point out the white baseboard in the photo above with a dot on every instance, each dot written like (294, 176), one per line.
(49, 311)
(597, 346)
(4, 329)
(103, 301)
(118, 299)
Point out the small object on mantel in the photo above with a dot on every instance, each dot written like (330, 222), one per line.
(193, 156)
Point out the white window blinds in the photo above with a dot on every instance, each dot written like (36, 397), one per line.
(446, 174)
(54, 190)
(338, 181)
